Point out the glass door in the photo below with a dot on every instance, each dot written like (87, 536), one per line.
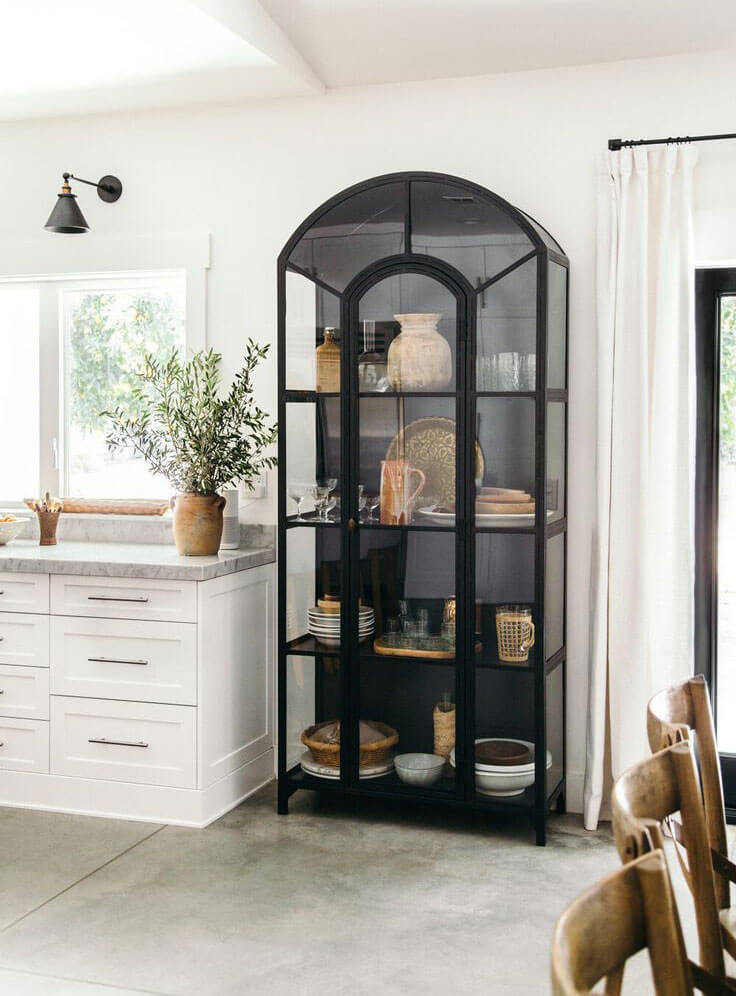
(407, 352)
(715, 506)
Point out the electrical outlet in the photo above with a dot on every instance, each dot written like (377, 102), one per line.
(259, 489)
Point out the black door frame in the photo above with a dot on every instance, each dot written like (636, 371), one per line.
(711, 284)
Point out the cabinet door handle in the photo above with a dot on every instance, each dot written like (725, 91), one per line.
(117, 598)
(2, 691)
(2, 743)
(117, 743)
(352, 525)
(115, 660)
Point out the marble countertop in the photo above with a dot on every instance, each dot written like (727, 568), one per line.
(127, 560)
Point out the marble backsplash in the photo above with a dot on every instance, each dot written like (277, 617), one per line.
(134, 529)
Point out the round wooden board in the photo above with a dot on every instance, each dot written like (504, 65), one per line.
(502, 752)
(429, 444)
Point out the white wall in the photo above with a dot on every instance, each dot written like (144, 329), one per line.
(250, 174)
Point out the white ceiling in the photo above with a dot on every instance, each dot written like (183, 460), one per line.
(373, 41)
(81, 56)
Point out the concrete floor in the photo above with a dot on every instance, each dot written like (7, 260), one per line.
(321, 902)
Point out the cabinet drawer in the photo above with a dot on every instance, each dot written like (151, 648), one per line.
(124, 741)
(124, 598)
(24, 745)
(24, 692)
(24, 592)
(123, 659)
(24, 639)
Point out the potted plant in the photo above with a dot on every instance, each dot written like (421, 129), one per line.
(200, 441)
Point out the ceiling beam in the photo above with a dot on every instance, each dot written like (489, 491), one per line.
(249, 20)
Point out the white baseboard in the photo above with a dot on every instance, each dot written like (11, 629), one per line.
(142, 803)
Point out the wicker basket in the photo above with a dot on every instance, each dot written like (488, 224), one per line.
(444, 730)
(370, 754)
(515, 633)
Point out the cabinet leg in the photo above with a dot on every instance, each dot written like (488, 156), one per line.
(560, 806)
(282, 806)
(541, 831)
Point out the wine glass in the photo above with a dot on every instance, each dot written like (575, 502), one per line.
(362, 502)
(319, 493)
(297, 493)
(373, 502)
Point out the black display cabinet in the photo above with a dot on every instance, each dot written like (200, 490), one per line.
(432, 419)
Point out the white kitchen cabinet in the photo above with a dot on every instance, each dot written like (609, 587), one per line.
(138, 697)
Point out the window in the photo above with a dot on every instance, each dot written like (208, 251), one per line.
(76, 346)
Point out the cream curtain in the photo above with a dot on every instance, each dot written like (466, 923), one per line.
(643, 550)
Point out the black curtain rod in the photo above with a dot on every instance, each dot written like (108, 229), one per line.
(614, 144)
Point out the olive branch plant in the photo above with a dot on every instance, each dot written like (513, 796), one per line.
(200, 441)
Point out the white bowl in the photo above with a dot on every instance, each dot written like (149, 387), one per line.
(504, 781)
(9, 530)
(419, 769)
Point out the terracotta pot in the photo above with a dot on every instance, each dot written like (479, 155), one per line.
(197, 524)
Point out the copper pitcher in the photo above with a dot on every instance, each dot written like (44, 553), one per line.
(398, 491)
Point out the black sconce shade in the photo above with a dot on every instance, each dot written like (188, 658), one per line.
(67, 216)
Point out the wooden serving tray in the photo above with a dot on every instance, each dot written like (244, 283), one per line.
(432, 647)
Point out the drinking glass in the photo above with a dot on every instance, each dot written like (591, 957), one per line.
(422, 623)
(362, 502)
(319, 493)
(373, 503)
(297, 493)
(508, 371)
(334, 504)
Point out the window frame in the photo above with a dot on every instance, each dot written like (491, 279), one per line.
(98, 261)
(711, 284)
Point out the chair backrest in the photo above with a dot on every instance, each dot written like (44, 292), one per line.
(647, 794)
(630, 910)
(671, 716)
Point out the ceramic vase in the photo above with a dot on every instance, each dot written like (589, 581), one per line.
(197, 524)
(419, 358)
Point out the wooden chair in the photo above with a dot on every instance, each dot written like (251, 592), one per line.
(645, 796)
(673, 715)
(630, 910)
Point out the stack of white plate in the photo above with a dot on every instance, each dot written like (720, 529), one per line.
(503, 781)
(312, 767)
(325, 626)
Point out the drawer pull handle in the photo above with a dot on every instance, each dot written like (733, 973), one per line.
(116, 598)
(115, 660)
(117, 743)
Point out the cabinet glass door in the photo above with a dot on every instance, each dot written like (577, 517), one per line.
(404, 679)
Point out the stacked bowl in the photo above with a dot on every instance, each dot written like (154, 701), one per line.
(324, 623)
(509, 778)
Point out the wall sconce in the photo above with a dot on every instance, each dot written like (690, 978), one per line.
(67, 216)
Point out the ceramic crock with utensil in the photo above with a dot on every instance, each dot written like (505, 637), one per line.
(399, 491)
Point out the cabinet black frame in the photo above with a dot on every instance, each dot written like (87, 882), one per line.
(535, 802)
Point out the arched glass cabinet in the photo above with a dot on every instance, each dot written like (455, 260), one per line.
(422, 499)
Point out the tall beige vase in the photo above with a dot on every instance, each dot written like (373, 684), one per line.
(419, 358)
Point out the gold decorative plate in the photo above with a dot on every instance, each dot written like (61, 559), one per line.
(429, 444)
